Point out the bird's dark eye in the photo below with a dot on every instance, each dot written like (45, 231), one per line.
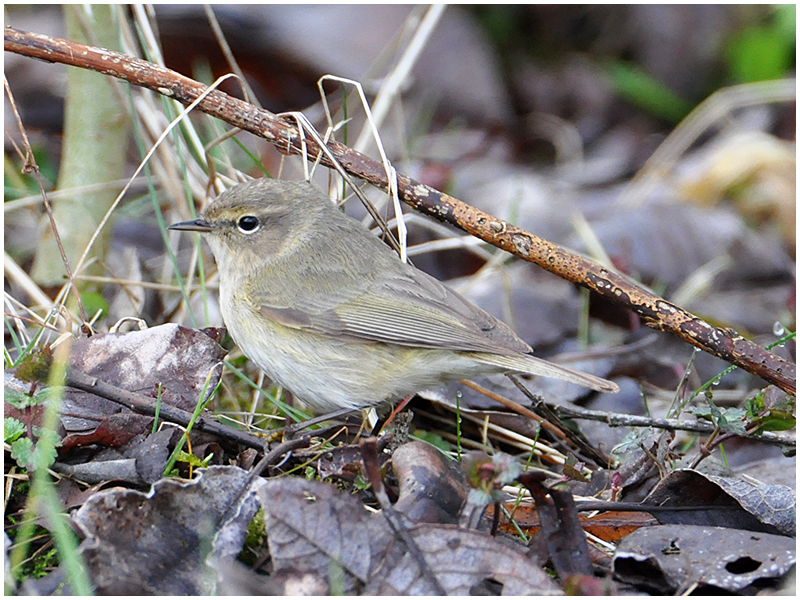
(247, 224)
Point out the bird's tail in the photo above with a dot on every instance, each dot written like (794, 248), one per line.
(525, 363)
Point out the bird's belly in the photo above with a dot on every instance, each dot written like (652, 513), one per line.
(330, 373)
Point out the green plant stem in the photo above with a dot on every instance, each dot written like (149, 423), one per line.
(95, 143)
(43, 500)
(205, 398)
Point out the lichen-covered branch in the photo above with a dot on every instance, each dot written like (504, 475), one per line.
(656, 312)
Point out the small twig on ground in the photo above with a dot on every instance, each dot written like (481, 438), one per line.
(539, 405)
(278, 451)
(603, 506)
(624, 420)
(147, 406)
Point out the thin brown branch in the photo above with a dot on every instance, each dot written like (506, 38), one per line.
(546, 419)
(29, 161)
(147, 406)
(656, 312)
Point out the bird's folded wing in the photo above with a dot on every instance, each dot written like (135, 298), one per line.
(411, 309)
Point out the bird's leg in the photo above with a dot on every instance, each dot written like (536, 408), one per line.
(384, 422)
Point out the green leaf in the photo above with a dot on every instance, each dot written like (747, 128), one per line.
(708, 413)
(35, 366)
(727, 419)
(41, 454)
(12, 429)
(22, 452)
(732, 419)
(17, 399)
(641, 89)
(193, 460)
(22, 401)
(93, 302)
(433, 439)
(759, 53)
(44, 564)
(776, 420)
(771, 409)
(765, 51)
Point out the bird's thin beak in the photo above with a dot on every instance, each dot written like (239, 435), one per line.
(200, 225)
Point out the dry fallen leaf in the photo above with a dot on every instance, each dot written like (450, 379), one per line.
(316, 528)
(158, 543)
(671, 558)
(731, 502)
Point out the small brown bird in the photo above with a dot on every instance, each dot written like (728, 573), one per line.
(329, 312)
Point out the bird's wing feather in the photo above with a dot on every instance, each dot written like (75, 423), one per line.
(407, 308)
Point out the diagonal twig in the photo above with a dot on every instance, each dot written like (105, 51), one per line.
(147, 406)
(656, 312)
